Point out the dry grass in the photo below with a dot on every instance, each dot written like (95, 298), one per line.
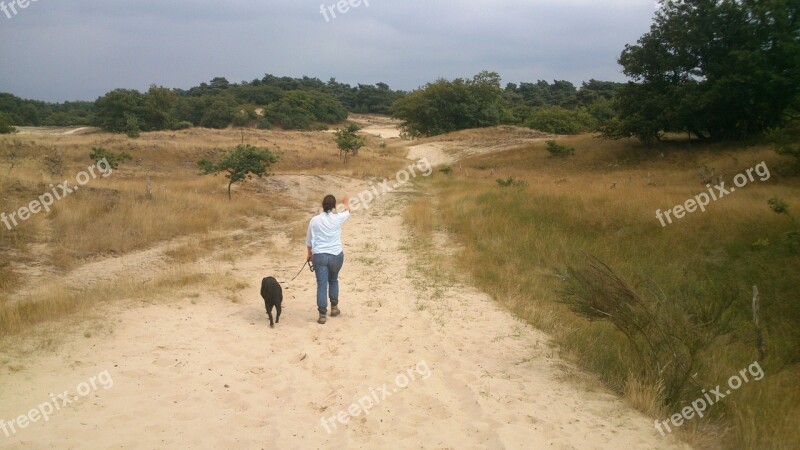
(53, 303)
(517, 243)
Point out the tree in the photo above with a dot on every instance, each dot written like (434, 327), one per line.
(115, 109)
(299, 109)
(240, 164)
(5, 124)
(348, 140)
(719, 69)
(157, 108)
(445, 106)
(787, 140)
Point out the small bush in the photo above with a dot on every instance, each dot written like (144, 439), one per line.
(511, 182)
(132, 129)
(559, 120)
(54, 163)
(558, 150)
(264, 124)
(113, 159)
(183, 125)
(5, 124)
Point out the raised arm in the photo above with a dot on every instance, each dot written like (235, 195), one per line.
(346, 203)
(308, 244)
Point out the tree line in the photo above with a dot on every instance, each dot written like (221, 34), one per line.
(712, 69)
(291, 103)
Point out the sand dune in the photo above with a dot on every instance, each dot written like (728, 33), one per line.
(201, 371)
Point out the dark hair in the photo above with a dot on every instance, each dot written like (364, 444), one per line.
(329, 203)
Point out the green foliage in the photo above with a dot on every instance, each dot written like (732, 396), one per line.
(445, 106)
(301, 109)
(559, 150)
(559, 120)
(182, 125)
(113, 159)
(132, 129)
(720, 70)
(129, 111)
(219, 115)
(37, 113)
(447, 170)
(791, 238)
(787, 140)
(240, 165)
(244, 117)
(349, 141)
(511, 182)
(665, 342)
(5, 124)
(779, 206)
(305, 103)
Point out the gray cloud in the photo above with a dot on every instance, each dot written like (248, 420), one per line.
(56, 50)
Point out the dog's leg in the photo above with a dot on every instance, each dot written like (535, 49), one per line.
(278, 315)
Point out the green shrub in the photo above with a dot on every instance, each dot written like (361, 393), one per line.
(182, 125)
(445, 106)
(113, 159)
(5, 124)
(299, 110)
(559, 120)
(132, 129)
(511, 182)
(559, 150)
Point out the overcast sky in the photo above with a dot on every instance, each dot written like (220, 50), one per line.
(58, 50)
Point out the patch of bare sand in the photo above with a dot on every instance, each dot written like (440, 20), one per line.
(451, 147)
(64, 131)
(381, 126)
(201, 371)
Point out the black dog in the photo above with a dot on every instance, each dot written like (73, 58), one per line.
(272, 294)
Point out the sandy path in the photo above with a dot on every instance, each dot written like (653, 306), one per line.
(206, 372)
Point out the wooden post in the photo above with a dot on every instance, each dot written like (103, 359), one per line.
(759, 335)
(149, 186)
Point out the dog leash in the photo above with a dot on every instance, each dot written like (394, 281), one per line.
(310, 267)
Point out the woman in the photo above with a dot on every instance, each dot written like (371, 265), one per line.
(324, 242)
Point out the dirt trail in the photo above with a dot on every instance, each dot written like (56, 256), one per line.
(206, 372)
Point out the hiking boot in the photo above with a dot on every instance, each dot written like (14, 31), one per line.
(335, 311)
(322, 319)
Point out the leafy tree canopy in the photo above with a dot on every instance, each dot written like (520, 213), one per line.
(239, 165)
(720, 69)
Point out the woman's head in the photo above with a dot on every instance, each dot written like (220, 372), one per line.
(329, 203)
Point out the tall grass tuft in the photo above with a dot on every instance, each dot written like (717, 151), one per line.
(663, 338)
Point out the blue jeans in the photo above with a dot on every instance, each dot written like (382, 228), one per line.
(327, 268)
